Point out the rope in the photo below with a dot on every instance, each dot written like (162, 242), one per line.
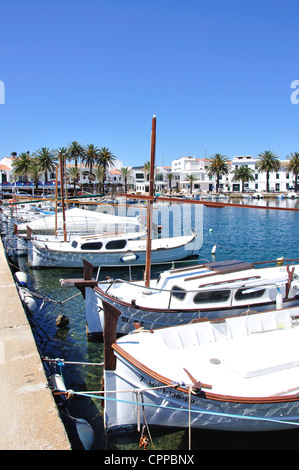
(189, 421)
(62, 362)
(199, 411)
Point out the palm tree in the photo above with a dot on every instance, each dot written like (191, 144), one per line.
(106, 157)
(147, 169)
(243, 173)
(46, 159)
(191, 178)
(126, 173)
(219, 165)
(73, 175)
(91, 157)
(268, 163)
(75, 152)
(169, 177)
(293, 166)
(99, 174)
(34, 172)
(21, 165)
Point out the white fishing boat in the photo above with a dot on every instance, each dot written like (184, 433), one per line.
(179, 295)
(77, 221)
(113, 250)
(239, 374)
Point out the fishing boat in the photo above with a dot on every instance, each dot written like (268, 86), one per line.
(237, 374)
(179, 295)
(101, 250)
(77, 221)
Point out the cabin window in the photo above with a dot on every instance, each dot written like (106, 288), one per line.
(178, 292)
(91, 246)
(74, 244)
(211, 296)
(241, 294)
(116, 244)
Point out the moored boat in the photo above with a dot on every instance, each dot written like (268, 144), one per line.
(115, 250)
(179, 295)
(239, 374)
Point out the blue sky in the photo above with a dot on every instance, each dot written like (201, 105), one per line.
(217, 74)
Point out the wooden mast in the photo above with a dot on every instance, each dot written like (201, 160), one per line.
(62, 195)
(150, 205)
(56, 196)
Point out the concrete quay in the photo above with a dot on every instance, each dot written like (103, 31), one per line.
(29, 419)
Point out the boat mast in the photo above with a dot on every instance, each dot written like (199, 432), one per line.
(62, 195)
(150, 205)
(56, 196)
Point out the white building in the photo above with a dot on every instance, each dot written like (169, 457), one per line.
(280, 181)
(138, 181)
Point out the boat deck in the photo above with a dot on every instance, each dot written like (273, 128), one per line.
(253, 356)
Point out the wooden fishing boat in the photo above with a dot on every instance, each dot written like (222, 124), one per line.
(237, 374)
(179, 295)
(114, 250)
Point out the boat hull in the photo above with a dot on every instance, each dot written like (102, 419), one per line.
(144, 402)
(41, 257)
(149, 318)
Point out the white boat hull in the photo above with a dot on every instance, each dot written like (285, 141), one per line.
(157, 318)
(170, 408)
(163, 250)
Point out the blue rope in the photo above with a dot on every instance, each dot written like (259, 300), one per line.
(227, 415)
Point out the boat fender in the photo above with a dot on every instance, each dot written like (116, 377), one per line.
(57, 382)
(21, 278)
(30, 302)
(278, 299)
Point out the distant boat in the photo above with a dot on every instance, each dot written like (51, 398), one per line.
(239, 374)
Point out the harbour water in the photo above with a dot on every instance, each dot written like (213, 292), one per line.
(252, 235)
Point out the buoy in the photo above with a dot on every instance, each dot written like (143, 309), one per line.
(213, 251)
(210, 230)
(279, 261)
(62, 321)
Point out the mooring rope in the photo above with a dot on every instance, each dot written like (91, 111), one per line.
(199, 411)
